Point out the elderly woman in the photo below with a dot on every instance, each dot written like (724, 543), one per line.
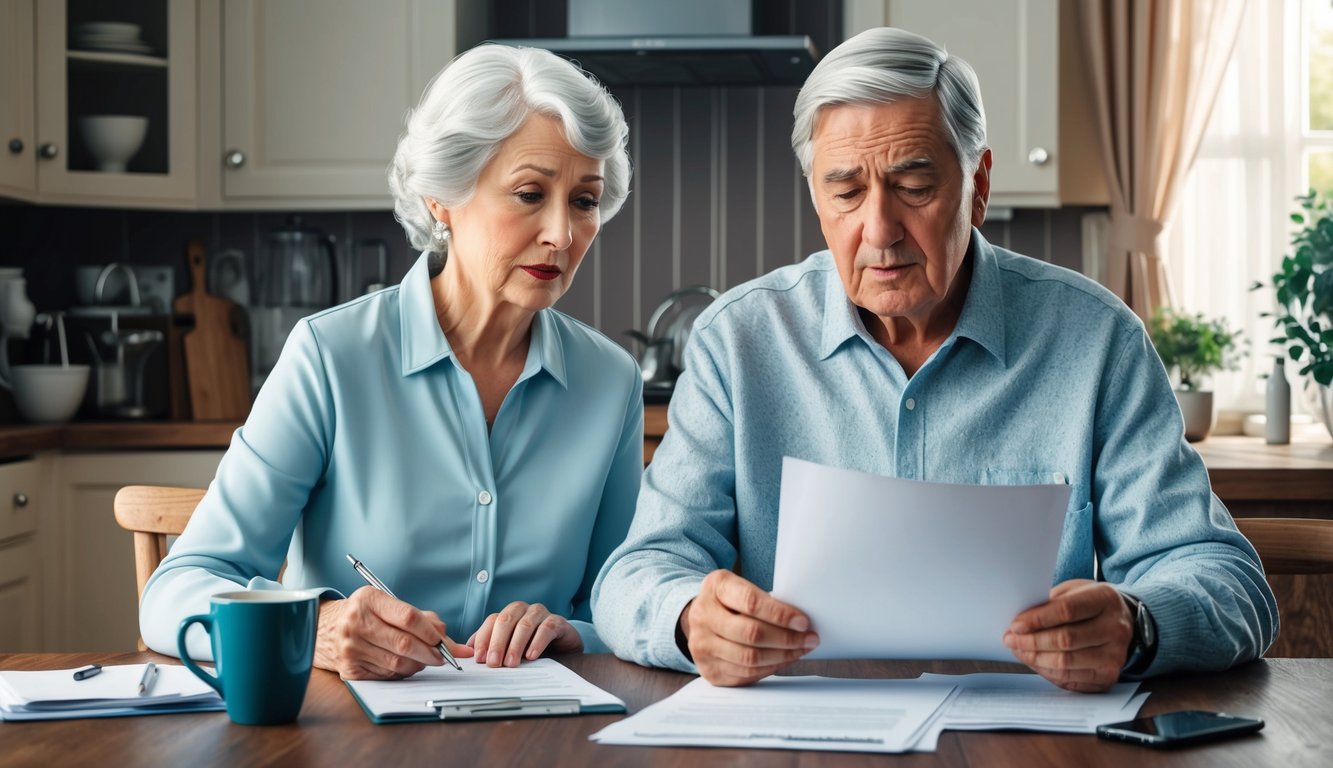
(478, 450)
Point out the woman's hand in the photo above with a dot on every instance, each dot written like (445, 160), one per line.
(371, 636)
(523, 631)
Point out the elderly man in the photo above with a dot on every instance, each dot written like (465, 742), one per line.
(914, 348)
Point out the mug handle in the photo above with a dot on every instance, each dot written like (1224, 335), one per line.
(207, 621)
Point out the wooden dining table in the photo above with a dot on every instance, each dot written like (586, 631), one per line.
(1293, 696)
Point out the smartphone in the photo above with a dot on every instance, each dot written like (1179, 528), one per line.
(1174, 729)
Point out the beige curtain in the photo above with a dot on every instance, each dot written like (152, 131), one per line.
(1155, 67)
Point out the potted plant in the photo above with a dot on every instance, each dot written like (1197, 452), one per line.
(1194, 347)
(1304, 288)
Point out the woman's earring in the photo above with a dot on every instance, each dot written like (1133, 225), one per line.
(441, 234)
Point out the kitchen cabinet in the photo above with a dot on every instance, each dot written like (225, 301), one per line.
(314, 93)
(20, 574)
(18, 172)
(91, 598)
(146, 71)
(1034, 88)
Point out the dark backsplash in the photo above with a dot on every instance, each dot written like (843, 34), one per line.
(717, 198)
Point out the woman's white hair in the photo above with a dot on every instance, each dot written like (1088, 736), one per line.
(482, 98)
(885, 64)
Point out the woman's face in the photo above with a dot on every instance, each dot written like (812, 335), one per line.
(524, 232)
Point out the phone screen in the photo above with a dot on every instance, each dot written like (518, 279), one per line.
(1178, 728)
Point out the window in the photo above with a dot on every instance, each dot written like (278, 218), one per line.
(1270, 138)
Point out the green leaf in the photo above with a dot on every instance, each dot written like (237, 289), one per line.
(1297, 218)
(1295, 351)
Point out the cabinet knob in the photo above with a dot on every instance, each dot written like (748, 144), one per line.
(1038, 156)
(15, 146)
(234, 158)
(20, 500)
(48, 151)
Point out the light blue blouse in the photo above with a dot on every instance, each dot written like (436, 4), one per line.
(369, 438)
(1047, 378)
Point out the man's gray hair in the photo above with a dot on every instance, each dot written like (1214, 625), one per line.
(482, 98)
(885, 64)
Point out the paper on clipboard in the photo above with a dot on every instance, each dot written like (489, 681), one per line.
(540, 687)
(906, 569)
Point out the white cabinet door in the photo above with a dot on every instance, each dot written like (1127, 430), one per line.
(92, 599)
(18, 170)
(315, 91)
(1014, 46)
(20, 572)
(19, 598)
(151, 76)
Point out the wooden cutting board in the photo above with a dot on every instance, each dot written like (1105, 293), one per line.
(216, 361)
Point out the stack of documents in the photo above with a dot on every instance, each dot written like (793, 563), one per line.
(541, 687)
(114, 692)
(833, 714)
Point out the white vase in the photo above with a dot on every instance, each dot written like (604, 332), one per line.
(1319, 399)
(1197, 409)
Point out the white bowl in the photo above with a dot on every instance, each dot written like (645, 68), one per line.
(113, 139)
(49, 394)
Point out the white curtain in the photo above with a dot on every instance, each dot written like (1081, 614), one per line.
(1231, 226)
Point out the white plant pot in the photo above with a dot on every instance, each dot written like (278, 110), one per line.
(1197, 409)
(1319, 399)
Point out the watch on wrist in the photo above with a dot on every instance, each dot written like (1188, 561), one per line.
(1143, 646)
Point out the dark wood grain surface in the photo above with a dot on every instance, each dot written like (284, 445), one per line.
(1294, 696)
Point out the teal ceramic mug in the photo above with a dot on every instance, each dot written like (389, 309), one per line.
(263, 645)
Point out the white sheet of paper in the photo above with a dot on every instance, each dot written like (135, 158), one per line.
(543, 678)
(56, 695)
(990, 701)
(812, 713)
(116, 686)
(906, 569)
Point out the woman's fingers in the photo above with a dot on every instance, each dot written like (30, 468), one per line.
(371, 634)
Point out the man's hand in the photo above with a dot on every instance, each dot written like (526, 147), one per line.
(738, 633)
(1079, 639)
(523, 631)
(371, 636)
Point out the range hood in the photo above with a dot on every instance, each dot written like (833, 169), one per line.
(684, 42)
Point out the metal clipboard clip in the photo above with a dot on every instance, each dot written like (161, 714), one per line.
(477, 709)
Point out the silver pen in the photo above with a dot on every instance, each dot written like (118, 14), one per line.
(149, 677)
(375, 582)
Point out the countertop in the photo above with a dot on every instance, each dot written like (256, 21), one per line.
(1242, 468)
(21, 440)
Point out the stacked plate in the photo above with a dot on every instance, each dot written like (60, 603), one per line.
(115, 36)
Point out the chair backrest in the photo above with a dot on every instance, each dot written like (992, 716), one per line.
(1297, 555)
(153, 513)
(1288, 545)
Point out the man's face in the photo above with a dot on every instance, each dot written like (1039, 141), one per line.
(893, 204)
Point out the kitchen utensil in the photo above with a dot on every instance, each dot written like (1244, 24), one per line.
(379, 253)
(228, 276)
(113, 140)
(120, 356)
(16, 315)
(216, 364)
(293, 275)
(668, 330)
(156, 287)
(48, 394)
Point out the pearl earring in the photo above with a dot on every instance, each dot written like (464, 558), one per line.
(440, 233)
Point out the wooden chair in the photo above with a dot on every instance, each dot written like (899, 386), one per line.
(153, 513)
(1297, 554)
